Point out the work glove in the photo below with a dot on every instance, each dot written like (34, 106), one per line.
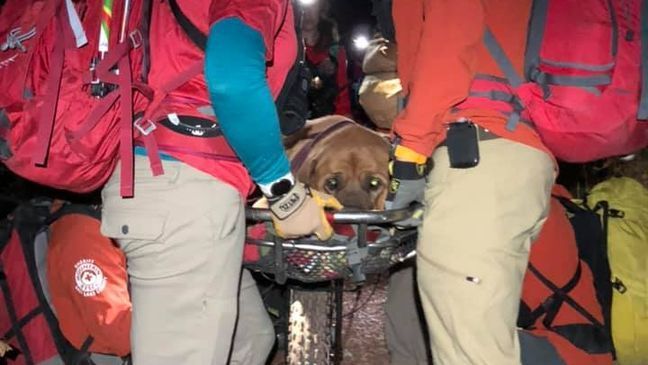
(301, 212)
(408, 170)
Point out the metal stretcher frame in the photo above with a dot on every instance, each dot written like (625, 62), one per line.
(375, 247)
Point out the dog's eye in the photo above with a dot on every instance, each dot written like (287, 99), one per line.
(332, 184)
(374, 183)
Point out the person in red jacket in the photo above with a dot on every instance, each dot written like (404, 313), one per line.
(487, 196)
(327, 60)
(183, 229)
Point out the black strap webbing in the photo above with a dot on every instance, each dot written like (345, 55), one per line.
(87, 343)
(561, 294)
(196, 36)
(11, 311)
(146, 43)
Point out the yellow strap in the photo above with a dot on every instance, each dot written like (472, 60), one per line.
(405, 154)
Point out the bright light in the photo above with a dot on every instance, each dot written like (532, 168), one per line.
(361, 42)
(307, 2)
(627, 158)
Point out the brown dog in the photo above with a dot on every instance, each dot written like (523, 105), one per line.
(335, 155)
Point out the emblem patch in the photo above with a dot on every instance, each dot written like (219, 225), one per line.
(89, 278)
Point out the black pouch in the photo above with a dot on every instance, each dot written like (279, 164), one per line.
(463, 145)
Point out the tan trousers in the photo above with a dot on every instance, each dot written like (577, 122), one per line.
(183, 236)
(473, 250)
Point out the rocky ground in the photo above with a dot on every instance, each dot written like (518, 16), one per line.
(363, 336)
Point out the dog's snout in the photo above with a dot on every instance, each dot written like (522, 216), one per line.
(356, 199)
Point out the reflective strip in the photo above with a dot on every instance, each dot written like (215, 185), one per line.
(578, 66)
(497, 52)
(643, 101)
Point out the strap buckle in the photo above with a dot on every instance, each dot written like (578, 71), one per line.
(145, 126)
(136, 38)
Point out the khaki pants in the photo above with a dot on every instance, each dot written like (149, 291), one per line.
(183, 236)
(473, 250)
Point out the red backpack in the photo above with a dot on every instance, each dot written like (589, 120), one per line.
(561, 298)
(64, 105)
(28, 322)
(69, 114)
(585, 87)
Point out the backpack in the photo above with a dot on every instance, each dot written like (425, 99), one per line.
(71, 112)
(560, 294)
(380, 93)
(585, 87)
(27, 319)
(63, 107)
(628, 253)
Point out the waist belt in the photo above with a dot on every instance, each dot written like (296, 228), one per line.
(484, 135)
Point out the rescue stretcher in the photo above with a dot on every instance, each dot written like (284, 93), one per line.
(312, 273)
(365, 242)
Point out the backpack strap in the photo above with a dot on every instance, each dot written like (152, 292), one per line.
(47, 112)
(197, 37)
(532, 58)
(497, 52)
(643, 101)
(552, 304)
(11, 311)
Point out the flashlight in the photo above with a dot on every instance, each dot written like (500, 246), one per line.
(361, 42)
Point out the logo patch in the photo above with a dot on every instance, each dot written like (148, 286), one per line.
(394, 185)
(89, 278)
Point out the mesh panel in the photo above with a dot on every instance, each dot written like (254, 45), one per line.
(313, 265)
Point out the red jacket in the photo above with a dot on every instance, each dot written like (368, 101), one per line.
(273, 19)
(88, 284)
(440, 51)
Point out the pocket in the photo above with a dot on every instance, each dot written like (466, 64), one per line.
(139, 233)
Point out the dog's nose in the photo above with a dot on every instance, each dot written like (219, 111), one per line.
(355, 199)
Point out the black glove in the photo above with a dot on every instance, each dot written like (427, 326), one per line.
(407, 186)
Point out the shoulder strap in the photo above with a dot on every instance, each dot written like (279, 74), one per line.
(497, 52)
(552, 304)
(196, 36)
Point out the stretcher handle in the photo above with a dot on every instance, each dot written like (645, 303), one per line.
(348, 216)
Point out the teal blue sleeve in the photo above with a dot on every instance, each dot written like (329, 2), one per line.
(235, 71)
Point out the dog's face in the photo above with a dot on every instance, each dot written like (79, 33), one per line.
(350, 164)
